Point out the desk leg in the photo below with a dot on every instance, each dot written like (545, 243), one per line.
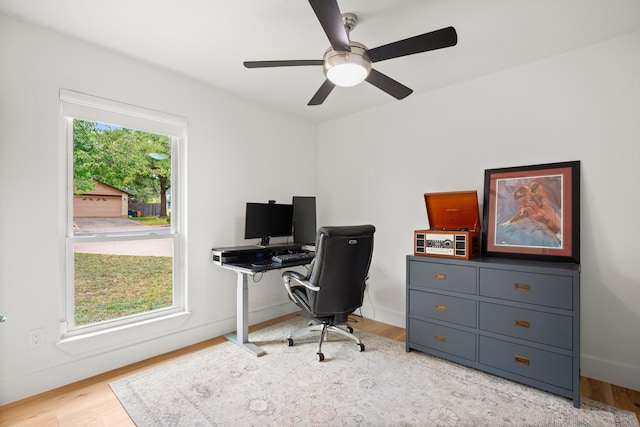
(241, 337)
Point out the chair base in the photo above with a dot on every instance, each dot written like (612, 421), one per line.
(324, 328)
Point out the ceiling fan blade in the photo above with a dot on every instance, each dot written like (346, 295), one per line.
(330, 18)
(293, 63)
(322, 93)
(387, 84)
(445, 37)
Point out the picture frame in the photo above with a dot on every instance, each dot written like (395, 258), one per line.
(533, 212)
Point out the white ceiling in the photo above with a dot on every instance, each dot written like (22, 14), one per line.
(209, 39)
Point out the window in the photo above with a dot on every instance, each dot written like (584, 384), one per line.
(123, 190)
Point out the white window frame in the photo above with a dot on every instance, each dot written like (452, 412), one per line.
(76, 105)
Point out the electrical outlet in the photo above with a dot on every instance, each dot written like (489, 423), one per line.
(36, 337)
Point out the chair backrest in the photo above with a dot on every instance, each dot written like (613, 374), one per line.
(340, 269)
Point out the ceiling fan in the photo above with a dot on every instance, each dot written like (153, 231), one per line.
(348, 63)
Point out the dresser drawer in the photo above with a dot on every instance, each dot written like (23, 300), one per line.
(454, 278)
(531, 325)
(540, 365)
(532, 288)
(456, 310)
(442, 338)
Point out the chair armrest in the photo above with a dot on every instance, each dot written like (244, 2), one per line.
(300, 279)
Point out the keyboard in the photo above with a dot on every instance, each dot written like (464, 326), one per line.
(293, 257)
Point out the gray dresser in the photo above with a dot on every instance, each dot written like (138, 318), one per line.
(517, 319)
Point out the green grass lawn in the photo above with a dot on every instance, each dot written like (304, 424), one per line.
(112, 286)
(152, 220)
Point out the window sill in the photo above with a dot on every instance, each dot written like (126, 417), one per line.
(123, 336)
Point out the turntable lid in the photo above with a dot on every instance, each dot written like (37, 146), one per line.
(453, 210)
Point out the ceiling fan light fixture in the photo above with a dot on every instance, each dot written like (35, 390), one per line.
(347, 68)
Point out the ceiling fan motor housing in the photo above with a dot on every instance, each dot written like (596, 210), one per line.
(356, 64)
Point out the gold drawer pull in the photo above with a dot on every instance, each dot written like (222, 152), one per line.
(441, 307)
(440, 276)
(441, 338)
(522, 323)
(522, 287)
(521, 360)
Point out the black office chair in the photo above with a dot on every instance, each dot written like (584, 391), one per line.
(334, 287)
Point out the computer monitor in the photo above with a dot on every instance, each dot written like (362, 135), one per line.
(304, 220)
(266, 220)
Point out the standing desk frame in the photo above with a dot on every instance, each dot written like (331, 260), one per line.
(243, 271)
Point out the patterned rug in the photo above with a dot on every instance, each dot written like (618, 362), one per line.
(383, 386)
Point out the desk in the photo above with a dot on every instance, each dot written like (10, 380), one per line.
(239, 259)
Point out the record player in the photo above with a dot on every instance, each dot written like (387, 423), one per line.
(454, 221)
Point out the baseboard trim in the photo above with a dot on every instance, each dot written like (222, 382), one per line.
(610, 371)
(389, 317)
(86, 366)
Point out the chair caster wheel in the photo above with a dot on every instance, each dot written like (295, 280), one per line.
(320, 357)
(290, 342)
(360, 347)
(350, 329)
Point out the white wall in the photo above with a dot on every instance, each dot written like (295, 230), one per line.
(235, 153)
(584, 105)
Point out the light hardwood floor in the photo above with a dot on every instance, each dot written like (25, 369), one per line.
(91, 402)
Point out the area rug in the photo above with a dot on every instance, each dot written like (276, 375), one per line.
(225, 385)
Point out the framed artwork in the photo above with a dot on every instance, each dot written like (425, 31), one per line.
(533, 212)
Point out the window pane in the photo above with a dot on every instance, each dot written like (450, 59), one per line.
(121, 278)
(121, 193)
(122, 164)
(119, 174)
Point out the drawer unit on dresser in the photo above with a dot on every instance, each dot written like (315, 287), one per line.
(514, 318)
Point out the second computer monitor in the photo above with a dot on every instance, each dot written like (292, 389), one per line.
(304, 219)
